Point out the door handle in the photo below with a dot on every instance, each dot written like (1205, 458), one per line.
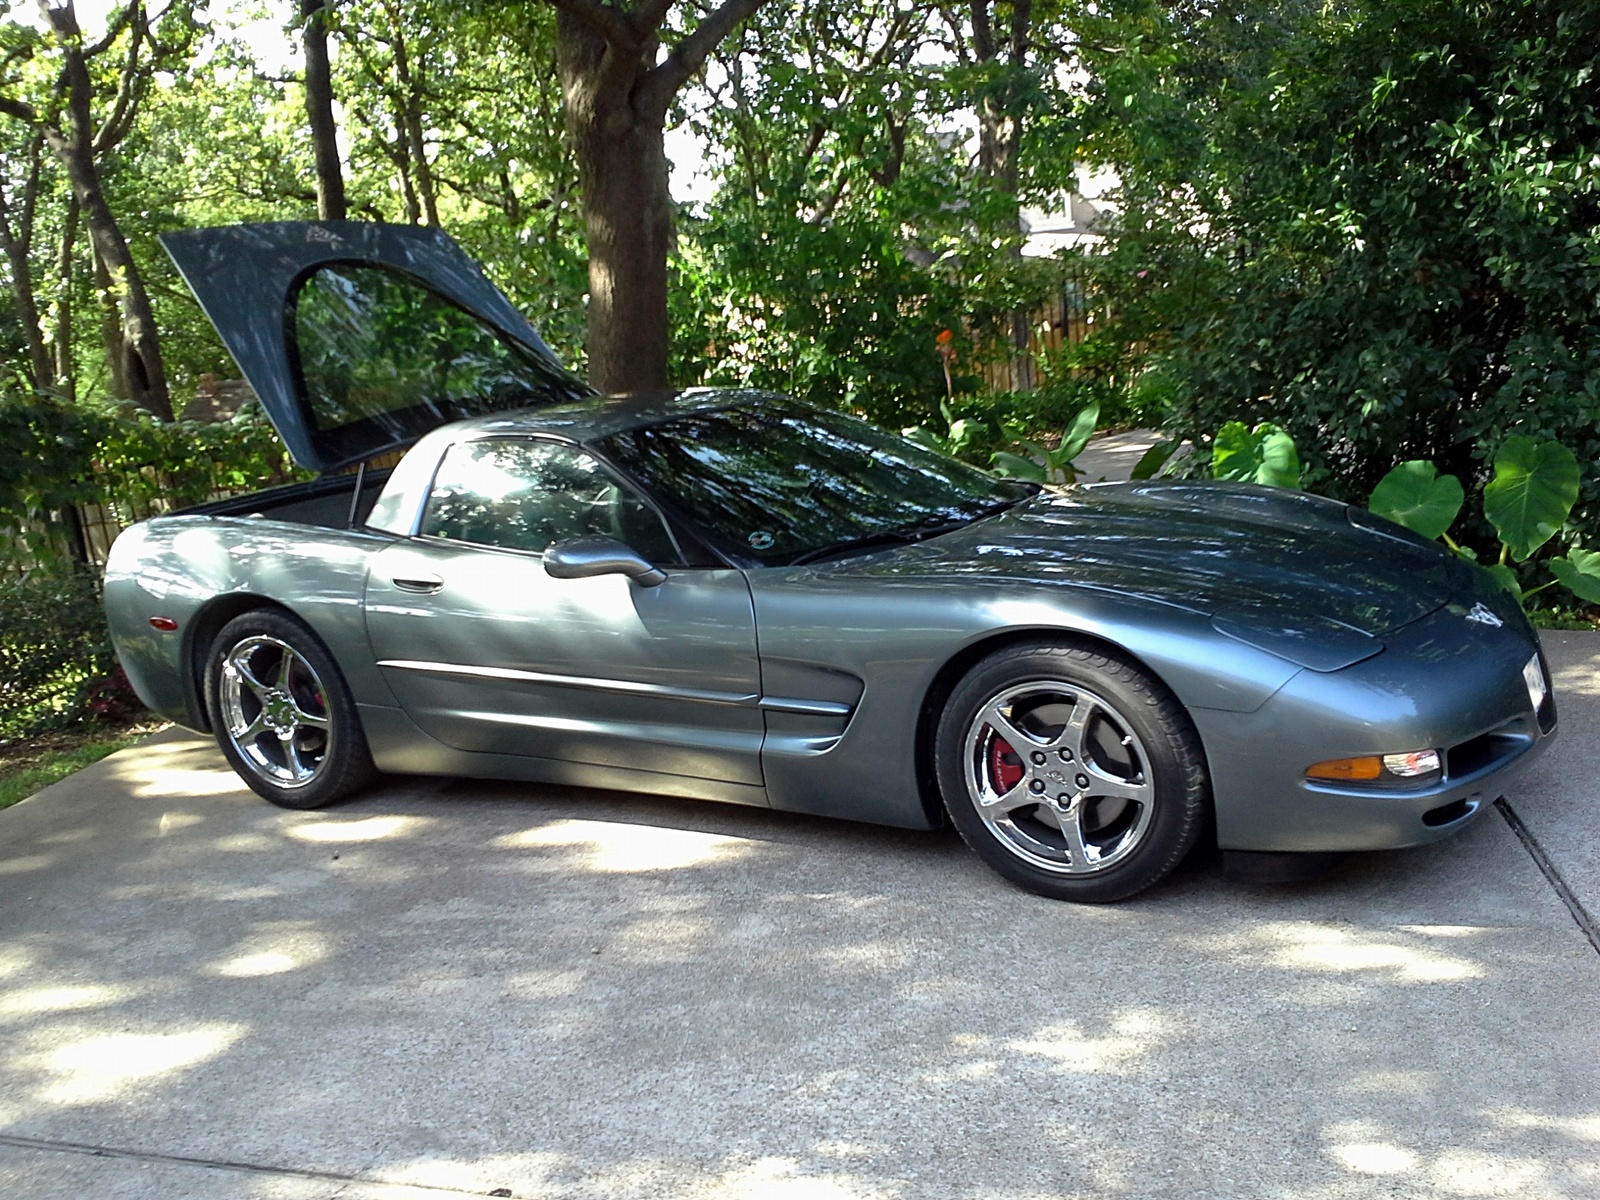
(424, 584)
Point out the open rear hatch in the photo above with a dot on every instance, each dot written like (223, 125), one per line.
(360, 337)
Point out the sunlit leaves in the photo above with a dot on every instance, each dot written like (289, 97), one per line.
(1579, 573)
(1534, 487)
(1265, 455)
(1415, 495)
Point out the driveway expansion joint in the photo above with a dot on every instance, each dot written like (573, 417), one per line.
(1586, 923)
(216, 1164)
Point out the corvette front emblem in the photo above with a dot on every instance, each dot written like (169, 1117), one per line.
(1481, 615)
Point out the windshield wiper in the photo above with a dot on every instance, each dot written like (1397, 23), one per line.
(900, 537)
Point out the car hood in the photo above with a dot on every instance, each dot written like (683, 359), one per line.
(1283, 570)
(385, 360)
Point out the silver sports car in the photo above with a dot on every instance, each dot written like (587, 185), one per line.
(732, 596)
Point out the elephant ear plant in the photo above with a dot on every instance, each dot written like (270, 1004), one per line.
(1528, 500)
(1264, 454)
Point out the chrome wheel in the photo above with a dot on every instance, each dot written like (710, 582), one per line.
(1059, 777)
(275, 711)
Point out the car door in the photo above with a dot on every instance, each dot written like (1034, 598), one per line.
(488, 652)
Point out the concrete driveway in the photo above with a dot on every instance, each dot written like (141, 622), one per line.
(449, 988)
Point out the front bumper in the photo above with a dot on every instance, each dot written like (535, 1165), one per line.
(1440, 684)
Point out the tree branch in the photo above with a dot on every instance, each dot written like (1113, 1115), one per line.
(114, 26)
(22, 111)
(662, 82)
(120, 119)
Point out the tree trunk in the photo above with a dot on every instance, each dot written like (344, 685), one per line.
(65, 369)
(16, 243)
(999, 121)
(617, 137)
(319, 111)
(409, 119)
(111, 335)
(1000, 124)
(146, 374)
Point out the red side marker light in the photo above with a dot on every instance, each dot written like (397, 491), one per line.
(166, 624)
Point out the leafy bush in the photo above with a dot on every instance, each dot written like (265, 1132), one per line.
(53, 641)
(53, 456)
(1373, 224)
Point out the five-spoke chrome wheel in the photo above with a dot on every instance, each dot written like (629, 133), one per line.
(282, 712)
(276, 711)
(1071, 770)
(1059, 777)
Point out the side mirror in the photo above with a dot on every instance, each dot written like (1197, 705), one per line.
(584, 557)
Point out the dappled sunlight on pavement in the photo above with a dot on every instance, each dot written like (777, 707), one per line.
(471, 986)
(611, 846)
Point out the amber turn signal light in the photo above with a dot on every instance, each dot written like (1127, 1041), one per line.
(1414, 768)
(1343, 769)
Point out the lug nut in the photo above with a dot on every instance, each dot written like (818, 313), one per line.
(1064, 799)
(1066, 755)
(1038, 758)
(1083, 781)
(1036, 786)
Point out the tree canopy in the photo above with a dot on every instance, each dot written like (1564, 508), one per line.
(1371, 223)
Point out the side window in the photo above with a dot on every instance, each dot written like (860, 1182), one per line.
(524, 494)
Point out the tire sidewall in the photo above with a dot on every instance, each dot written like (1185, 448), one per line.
(1154, 715)
(347, 763)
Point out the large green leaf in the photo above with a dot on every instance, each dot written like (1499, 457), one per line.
(1506, 578)
(1579, 573)
(1415, 495)
(1280, 461)
(1534, 487)
(1235, 453)
(1015, 466)
(1265, 454)
(1077, 436)
(1153, 459)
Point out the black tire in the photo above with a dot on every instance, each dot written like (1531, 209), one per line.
(324, 756)
(1108, 751)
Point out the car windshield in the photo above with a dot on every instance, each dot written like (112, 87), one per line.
(785, 483)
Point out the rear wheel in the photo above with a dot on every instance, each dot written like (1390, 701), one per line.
(1071, 772)
(282, 713)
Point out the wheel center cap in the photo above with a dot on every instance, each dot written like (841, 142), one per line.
(278, 710)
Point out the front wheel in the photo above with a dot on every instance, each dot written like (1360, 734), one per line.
(1071, 772)
(282, 713)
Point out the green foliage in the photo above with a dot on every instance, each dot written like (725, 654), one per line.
(1529, 499)
(54, 455)
(1153, 460)
(1265, 455)
(53, 639)
(46, 449)
(960, 433)
(1579, 572)
(1044, 464)
(1415, 495)
(1534, 487)
(1371, 223)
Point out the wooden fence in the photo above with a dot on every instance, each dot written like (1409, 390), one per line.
(1066, 318)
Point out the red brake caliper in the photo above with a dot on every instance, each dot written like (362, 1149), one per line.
(1005, 766)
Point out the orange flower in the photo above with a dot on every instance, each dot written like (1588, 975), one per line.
(944, 337)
